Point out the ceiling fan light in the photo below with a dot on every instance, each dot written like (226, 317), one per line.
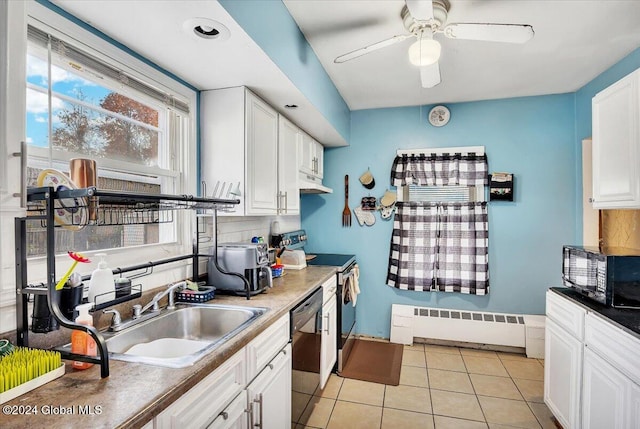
(424, 52)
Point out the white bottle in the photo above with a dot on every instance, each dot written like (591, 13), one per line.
(102, 281)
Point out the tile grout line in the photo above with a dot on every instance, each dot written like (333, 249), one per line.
(484, 416)
(426, 368)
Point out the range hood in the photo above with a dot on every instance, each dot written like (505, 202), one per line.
(312, 185)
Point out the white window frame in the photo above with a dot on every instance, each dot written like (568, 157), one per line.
(17, 14)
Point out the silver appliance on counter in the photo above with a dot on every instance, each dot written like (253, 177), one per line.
(248, 260)
(346, 314)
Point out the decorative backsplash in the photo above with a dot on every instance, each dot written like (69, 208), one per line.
(621, 228)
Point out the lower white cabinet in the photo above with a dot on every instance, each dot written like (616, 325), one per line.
(328, 353)
(223, 400)
(206, 400)
(269, 394)
(234, 416)
(562, 375)
(591, 369)
(603, 401)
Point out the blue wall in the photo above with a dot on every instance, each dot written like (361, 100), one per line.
(271, 26)
(531, 137)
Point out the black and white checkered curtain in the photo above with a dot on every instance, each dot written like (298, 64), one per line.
(440, 246)
(438, 170)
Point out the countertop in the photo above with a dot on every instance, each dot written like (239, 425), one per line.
(135, 393)
(625, 318)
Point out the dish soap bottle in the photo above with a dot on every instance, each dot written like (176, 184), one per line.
(102, 282)
(81, 342)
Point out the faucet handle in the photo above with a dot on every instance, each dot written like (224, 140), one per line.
(137, 311)
(116, 320)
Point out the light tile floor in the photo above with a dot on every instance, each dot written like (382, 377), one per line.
(440, 388)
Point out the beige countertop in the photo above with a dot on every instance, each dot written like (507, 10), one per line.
(135, 393)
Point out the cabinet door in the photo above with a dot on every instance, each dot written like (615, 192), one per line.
(319, 155)
(288, 143)
(307, 154)
(234, 416)
(328, 354)
(562, 375)
(262, 157)
(603, 397)
(633, 413)
(270, 394)
(616, 141)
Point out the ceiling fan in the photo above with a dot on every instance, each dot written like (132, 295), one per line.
(423, 19)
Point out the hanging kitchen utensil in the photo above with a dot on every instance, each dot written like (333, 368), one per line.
(367, 180)
(364, 217)
(346, 213)
(368, 203)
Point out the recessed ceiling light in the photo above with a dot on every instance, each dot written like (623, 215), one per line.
(291, 106)
(206, 28)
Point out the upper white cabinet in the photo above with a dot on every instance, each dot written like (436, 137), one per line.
(616, 145)
(311, 157)
(289, 137)
(242, 146)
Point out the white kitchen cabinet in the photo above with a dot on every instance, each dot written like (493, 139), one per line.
(562, 375)
(241, 146)
(311, 157)
(563, 359)
(616, 144)
(262, 157)
(203, 403)
(329, 342)
(603, 400)
(269, 394)
(262, 349)
(289, 137)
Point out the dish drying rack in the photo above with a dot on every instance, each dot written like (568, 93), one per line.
(107, 208)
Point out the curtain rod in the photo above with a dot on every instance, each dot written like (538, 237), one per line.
(479, 150)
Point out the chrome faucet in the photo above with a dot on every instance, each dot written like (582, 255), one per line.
(138, 311)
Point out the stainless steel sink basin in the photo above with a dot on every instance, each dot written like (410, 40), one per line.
(180, 337)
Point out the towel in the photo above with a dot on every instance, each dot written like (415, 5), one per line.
(352, 287)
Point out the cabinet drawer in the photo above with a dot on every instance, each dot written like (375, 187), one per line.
(566, 314)
(200, 405)
(329, 288)
(265, 346)
(234, 416)
(618, 348)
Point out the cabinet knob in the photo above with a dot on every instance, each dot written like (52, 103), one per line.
(224, 415)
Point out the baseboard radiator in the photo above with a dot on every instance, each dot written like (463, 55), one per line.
(409, 322)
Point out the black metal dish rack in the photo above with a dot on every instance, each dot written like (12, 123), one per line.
(110, 208)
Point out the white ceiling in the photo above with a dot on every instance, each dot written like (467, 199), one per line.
(574, 42)
(154, 29)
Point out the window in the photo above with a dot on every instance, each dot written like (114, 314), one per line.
(440, 233)
(80, 106)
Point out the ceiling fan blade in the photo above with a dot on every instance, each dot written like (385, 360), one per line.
(430, 75)
(421, 10)
(509, 33)
(367, 49)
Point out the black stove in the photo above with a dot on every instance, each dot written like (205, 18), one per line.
(343, 262)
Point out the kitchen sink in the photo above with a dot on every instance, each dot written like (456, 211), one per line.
(180, 337)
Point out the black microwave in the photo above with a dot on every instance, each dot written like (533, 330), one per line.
(608, 275)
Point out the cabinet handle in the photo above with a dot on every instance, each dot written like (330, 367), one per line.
(224, 415)
(286, 202)
(259, 402)
(23, 173)
(270, 366)
(328, 323)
